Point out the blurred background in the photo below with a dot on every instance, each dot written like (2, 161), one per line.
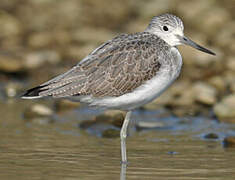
(40, 39)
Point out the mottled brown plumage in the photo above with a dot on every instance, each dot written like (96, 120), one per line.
(115, 68)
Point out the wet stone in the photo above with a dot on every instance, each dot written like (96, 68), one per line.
(111, 117)
(40, 39)
(216, 18)
(105, 125)
(10, 63)
(65, 105)
(10, 25)
(225, 37)
(205, 93)
(230, 63)
(224, 110)
(142, 125)
(12, 89)
(111, 133)
(39, 58)
(117, 117)
(38, 111)
(42, 120)
(172, 152)
(219, 83)
(229, 141)
(211, 136)
(232, 87)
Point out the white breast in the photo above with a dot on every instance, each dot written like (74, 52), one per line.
(143, 94)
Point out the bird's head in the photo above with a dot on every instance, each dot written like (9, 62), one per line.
(170, 28)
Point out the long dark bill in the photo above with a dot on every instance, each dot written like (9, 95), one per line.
(189, 42)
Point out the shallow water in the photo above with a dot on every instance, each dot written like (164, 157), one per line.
(60, 150)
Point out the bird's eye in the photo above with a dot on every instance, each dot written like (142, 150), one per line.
(165, 28)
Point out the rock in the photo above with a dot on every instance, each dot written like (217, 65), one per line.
(10, 63)
(232, 87)
(9, 24)
(104, 13)
(205, 93)
(224, 110)
(64, 105)
(47, 15)
(141, 125)
(79, 52)
(115, 117)
(192, 110)
(230, 63)
(172, 152)
(216, 16)
(37, 59)
(193, 11)
(91, 36)
(112, 117)
(38, 111)
(136, 26)
(228, 77)
(48, 39)
(163, 100)
(12, 89)
(229, 141)
(215, 20)
(183, 94)
(219, 83)
(111, 133)
(42, 120)
(40, 39)
(211, 136)
(104, 125)
(225, 37)
(148, 10)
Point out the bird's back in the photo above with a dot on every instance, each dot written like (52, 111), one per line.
(117, 67)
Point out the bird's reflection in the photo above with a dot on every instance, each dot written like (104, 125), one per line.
(123, 171)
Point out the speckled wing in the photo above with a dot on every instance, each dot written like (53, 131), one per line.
(115, 68)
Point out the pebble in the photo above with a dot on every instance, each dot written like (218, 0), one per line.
(37, 59)
(10, 63)
(232, 87)
(215, 19)
(229, 141)
(230, 63)
(12, 89)
(37, 111)
(219, 83)
(148, 10)
(10, 25)
(204, 93)
(111, 133)
(112, 117)
(224, 110)
(211, 136)
(225, 37)
(65, 105)
(141, 125)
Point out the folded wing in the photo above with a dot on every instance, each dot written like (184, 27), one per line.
(115, 68)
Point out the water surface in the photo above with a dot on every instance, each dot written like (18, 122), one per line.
(60, 150)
